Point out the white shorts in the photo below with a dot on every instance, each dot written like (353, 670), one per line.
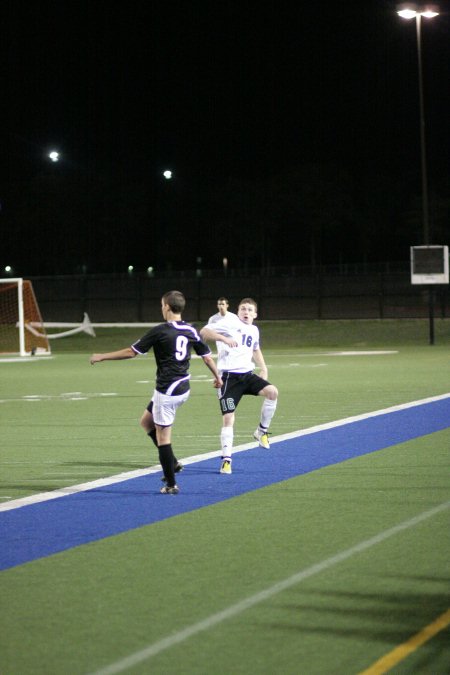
(165, 407)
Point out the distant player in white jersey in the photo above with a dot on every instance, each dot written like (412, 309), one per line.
(222, 307)
(238, 353)
(172, 342)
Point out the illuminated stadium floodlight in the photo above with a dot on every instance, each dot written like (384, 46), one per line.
(54, 156)
(410, 10)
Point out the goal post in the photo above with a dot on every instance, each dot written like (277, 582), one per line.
(19, 309)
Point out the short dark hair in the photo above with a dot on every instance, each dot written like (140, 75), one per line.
(249, 301)
(222, 299)
(175, 300)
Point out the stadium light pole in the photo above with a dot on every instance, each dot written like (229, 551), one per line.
(415, 11)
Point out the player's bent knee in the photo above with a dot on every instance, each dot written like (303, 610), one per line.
(270, 392)
(228, 420)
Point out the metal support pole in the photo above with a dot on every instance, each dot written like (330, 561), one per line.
(423, 152)
(431, 313)
(423, 157)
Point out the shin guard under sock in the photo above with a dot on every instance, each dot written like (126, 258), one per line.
(226, 441)
(267, 412)
(152, 435)
(167, 462)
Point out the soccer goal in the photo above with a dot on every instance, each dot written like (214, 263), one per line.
(18, 310)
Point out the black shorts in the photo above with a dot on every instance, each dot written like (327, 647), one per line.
(237, 385)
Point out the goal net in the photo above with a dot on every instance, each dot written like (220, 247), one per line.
(19, 310)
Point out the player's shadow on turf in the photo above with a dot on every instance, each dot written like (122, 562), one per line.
(392, 614)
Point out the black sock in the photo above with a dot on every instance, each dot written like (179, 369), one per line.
(167, 461)
(152, 435)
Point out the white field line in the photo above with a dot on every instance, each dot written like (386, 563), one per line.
(236, 609)
(25, 359)
(306, 355)
(357, 352)
(137, 473)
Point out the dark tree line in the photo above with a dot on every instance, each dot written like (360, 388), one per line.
(64, 221)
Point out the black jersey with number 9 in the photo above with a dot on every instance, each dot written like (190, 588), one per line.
(172, 343)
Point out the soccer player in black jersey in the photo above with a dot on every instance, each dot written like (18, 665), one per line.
(172, 342)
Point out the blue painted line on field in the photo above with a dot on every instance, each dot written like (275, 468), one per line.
(43, 529)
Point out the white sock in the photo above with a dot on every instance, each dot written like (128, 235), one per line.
(226, 441)
(267, 412)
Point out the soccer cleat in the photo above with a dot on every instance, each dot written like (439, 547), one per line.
(263, 438)
(177, 468)
(166, 490)
(226, 466)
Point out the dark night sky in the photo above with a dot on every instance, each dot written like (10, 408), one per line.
(221, 93)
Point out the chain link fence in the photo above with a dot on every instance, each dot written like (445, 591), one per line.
(334, 292)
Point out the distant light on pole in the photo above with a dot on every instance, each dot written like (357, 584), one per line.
(167, 174)
(410, 10)
(54, 156)
(407, 13)
(130, 269)
(8, 269)
(417, 11)
(430, 13)
(199, 266)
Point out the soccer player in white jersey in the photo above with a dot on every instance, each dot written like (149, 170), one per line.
(172, 342)
(239, 353)
(222, 307)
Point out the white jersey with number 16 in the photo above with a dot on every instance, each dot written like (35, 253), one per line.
(236, 359)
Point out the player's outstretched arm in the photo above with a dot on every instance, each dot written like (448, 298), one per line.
(209, 334)
(121, 354)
